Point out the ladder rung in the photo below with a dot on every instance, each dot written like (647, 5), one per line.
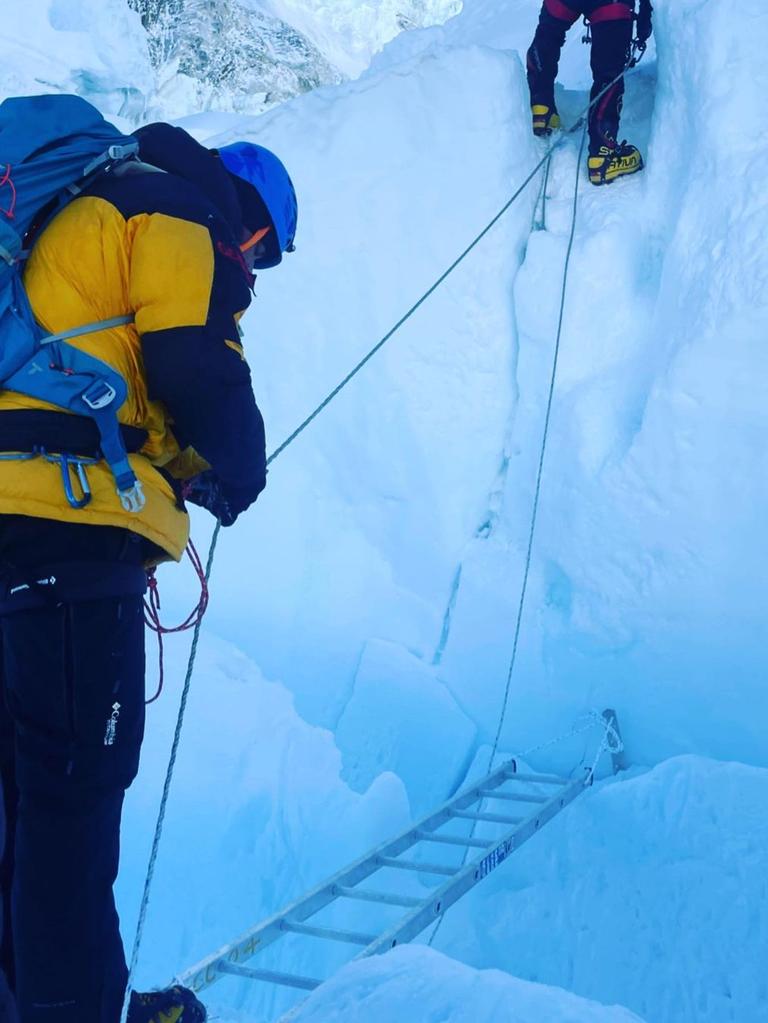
(422, 868)
(542, 779)
(270, 977)
(496, 794)
(492, 818)
(365, 895)
(329, 933)
(475, 843)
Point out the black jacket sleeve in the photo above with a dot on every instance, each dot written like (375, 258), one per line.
(198, 371)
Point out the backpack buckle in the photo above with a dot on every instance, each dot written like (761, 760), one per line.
(99, 395)
(133, 499)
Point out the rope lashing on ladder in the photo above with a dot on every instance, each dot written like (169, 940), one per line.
(196, 618)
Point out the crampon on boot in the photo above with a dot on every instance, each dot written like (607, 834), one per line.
(175, 1005)
(545, 119)
(614, 161)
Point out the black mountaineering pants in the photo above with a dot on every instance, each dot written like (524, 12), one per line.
(71, 725)
(611, 44)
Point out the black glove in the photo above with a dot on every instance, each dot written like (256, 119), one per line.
(225, 503)
(644, 22)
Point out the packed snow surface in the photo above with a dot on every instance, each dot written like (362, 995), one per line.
(417, 984)
(365, 608)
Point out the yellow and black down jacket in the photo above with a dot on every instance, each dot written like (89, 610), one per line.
(161, 246)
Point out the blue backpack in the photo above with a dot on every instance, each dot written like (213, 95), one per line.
(51, 148)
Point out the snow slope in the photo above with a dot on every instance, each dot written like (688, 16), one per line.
(365, 606)
(378, 576)
(650, 892)
(95, 48)
(349, 32)
(415, 984)
(402, 518)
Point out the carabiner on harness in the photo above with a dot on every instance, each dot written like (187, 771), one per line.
(68, 464)
(638, 52)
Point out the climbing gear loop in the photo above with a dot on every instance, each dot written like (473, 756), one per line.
(68, 464)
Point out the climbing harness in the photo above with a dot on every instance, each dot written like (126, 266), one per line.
(639, 46)
(581, 122)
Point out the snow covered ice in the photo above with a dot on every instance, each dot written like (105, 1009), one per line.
(356, 649)
(416, 984)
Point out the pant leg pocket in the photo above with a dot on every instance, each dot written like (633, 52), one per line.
(34, 652)
(107, 651)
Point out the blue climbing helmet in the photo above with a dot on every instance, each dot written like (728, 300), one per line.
(264, 172)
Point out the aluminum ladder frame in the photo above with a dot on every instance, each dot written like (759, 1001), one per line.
(346, 884)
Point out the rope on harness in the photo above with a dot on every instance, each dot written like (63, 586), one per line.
(197, 618)
(152, 612)
(167, 787)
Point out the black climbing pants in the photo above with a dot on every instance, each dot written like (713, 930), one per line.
(612, 24)
(71, 725)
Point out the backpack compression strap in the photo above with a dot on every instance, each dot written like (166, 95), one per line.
(88, 328)
(99, 400)
(86, 386)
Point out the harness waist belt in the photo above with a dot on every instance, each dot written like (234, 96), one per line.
(27, 430)
(611, 12)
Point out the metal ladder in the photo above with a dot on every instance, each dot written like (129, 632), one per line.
(505, 786)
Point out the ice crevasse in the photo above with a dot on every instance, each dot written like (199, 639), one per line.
(389, 545)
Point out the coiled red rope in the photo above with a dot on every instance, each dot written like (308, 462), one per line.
(193, 619)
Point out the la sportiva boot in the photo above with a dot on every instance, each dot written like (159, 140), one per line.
(545, 119)
(612, 161)
(175, 1005)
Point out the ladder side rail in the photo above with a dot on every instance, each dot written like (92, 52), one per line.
(207, 972)
(474, 872)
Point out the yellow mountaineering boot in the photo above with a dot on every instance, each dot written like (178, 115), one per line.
(176, 1005)
(613, 161)
(545, 119)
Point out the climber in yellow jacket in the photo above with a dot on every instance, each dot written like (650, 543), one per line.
(172, 240)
